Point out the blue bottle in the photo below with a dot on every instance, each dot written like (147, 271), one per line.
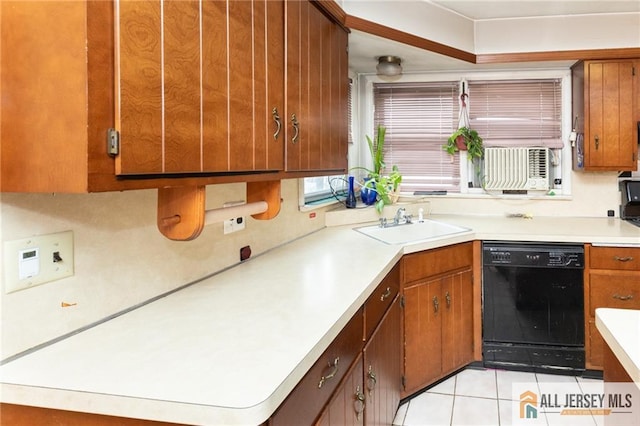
(350, 202)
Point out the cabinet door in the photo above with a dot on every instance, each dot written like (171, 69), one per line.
(608, 289)
(457, 321)
(422, 334)
(197, 84)
(383, 369)
(610, 135)
(317, 90)
(347, 404)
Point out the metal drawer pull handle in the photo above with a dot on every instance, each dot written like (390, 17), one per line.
(447, 296)
(386, 294)
(435, 304)
(358, 404)
(276, 118)
(294, 122)
(372, 380)
(331, 375)
(628, 297)
(623, 259)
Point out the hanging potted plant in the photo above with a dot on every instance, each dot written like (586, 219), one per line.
(465, 138)
(378, 188)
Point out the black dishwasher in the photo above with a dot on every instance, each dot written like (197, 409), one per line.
(533, 306)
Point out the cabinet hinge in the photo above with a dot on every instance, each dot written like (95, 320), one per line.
(113, 142)
(402, 301)
(404, 383)
(633, 70)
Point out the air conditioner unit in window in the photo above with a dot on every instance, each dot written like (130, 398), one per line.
(516, 169)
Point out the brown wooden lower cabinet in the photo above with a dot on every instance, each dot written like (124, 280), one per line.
(370, 393)
(21, 415)
(438, 314)
(383, 369)
(307, 400)
(367, 386)
(613, 370)
(347, 405)
(614, 374)
(612, 280)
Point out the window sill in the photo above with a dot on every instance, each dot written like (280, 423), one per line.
(476, 193)
(318, 205)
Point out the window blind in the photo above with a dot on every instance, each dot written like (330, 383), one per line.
(419, 118)
(517, 112)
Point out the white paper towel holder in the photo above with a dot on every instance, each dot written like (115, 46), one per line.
(182, 214)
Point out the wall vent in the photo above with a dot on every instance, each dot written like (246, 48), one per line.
(517, 169)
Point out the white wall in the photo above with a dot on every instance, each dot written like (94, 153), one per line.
(593, 194)
(417, 17)
(429, 21)
(121, 259)
(558, 33)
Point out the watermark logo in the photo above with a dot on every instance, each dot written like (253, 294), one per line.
(528, 405)
(557, 402)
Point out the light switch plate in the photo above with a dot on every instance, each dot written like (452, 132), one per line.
(37, 260)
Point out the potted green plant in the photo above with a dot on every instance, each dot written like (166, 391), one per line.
(467, 139)
(385, 185)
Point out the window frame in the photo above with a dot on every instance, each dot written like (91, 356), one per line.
(562, 172)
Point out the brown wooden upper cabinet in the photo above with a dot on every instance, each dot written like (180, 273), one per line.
(199, 86)
(195, 89)
(317, 90)
(605, 97)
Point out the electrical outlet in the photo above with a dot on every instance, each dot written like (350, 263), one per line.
(236, 223)
(37, 260)
(233, 225)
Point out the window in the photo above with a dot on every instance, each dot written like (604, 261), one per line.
(419, 117)
(323, 190)
(319, 190)
(517, 112)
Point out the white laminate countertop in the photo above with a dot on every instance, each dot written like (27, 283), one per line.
(229, 349)
(620, 328)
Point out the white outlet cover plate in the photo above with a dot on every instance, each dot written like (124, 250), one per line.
(47, 270)
(232, 225)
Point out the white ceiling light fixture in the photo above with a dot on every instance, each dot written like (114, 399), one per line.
(389, 66)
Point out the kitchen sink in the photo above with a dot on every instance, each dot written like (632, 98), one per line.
(411, 232)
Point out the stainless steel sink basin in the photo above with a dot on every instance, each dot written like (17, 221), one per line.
(411, 232)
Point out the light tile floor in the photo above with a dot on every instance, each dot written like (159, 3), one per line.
(476, 397)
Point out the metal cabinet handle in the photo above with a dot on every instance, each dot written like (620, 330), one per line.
(435, 304)
(332, 374)
(372, 380)
(447, 296)
(358, 403)
(386, 294)
(276, 118)
(623, 259)
(294, 122)
(623, 298)
(597, 141)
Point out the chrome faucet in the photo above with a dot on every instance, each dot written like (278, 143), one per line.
(400, 216)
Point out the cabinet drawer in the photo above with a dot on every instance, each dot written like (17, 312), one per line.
(619, 290)
(433, 262)
(306, 401)
(381, 298)
(621, 258)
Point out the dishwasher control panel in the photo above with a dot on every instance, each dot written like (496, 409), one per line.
(533, 255)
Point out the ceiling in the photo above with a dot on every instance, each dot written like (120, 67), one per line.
(496, 9)
(364, 48)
